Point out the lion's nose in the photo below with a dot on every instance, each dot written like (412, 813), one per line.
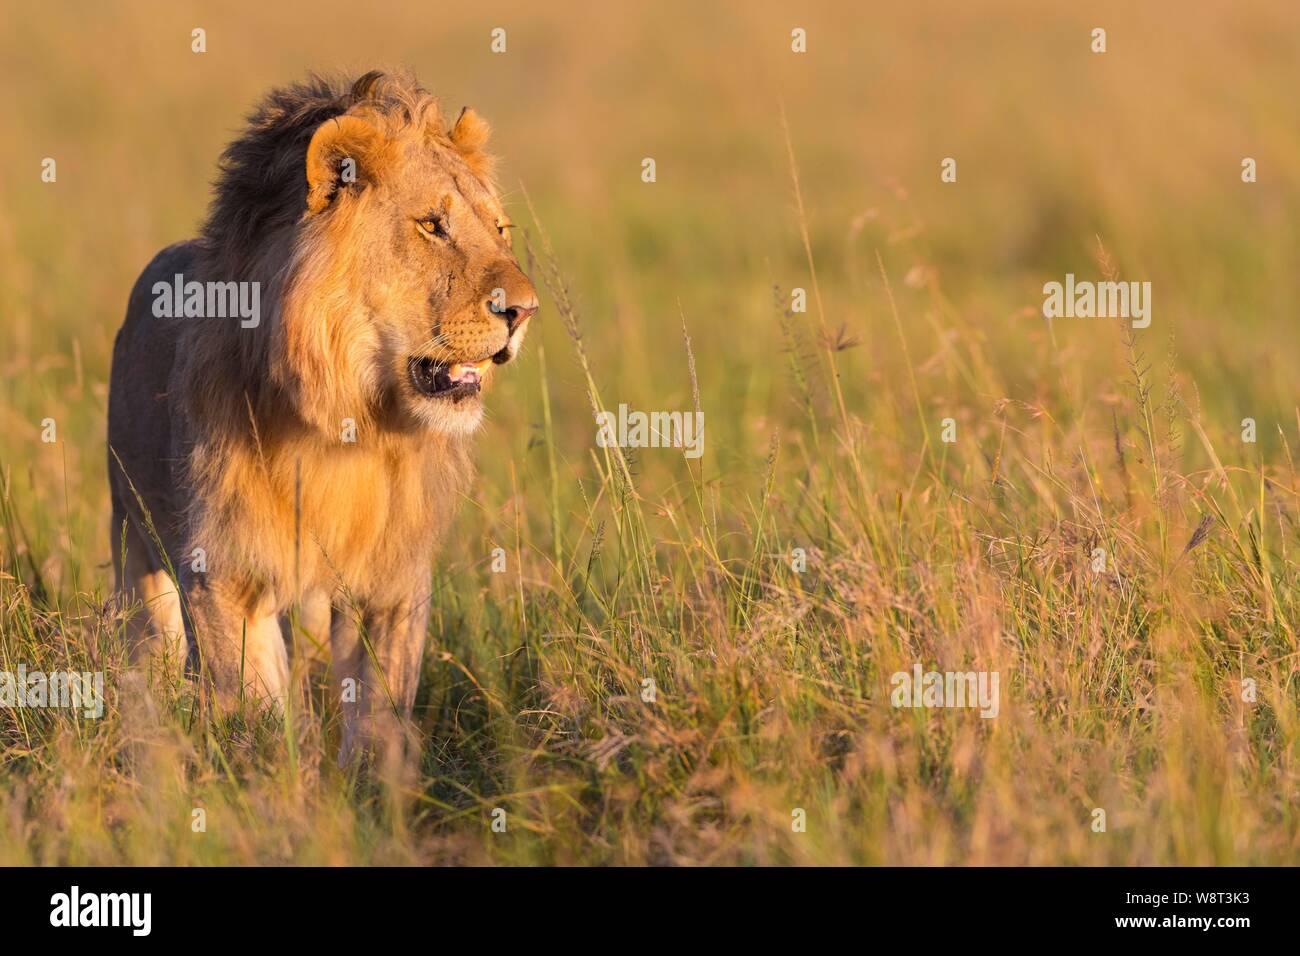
(515, 315)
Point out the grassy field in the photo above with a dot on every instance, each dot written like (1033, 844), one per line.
(1160, 686)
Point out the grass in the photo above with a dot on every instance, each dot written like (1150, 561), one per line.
(1122, 684)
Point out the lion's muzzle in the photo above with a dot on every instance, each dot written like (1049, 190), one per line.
(515, 306)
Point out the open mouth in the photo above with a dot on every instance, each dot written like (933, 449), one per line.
(453, 382)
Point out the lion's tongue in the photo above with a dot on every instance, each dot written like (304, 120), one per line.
(464, 374)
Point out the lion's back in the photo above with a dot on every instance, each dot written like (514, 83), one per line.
(141, 439)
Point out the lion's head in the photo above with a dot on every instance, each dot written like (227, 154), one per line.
(394, 288)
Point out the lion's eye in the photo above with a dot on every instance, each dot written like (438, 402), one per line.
(502, 226)
(433, 226)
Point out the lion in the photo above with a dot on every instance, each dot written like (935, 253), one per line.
(309, 452)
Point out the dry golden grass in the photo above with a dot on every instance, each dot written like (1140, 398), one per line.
(1121, 690)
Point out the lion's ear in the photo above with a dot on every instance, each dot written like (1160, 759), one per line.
(471, 131)
(342, 150)
(470, 136)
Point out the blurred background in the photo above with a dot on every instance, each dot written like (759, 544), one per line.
(1056, 148)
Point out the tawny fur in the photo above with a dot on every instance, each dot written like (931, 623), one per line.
(238, 441)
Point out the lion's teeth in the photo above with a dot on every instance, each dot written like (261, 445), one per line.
(463, 373)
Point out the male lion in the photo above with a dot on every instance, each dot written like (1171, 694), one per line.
(313, 453)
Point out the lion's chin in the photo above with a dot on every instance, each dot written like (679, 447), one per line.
(447, 397)
(460, 418)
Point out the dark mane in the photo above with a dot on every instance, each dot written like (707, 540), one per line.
(261, 186)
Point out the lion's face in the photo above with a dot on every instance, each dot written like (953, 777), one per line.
(410, 258)
(455, 302)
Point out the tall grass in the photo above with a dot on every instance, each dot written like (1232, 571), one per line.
(1125, 686)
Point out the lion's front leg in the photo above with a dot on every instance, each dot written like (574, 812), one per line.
(377, 654)
(241, 650)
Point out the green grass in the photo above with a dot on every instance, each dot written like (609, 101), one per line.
(1120, 690)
